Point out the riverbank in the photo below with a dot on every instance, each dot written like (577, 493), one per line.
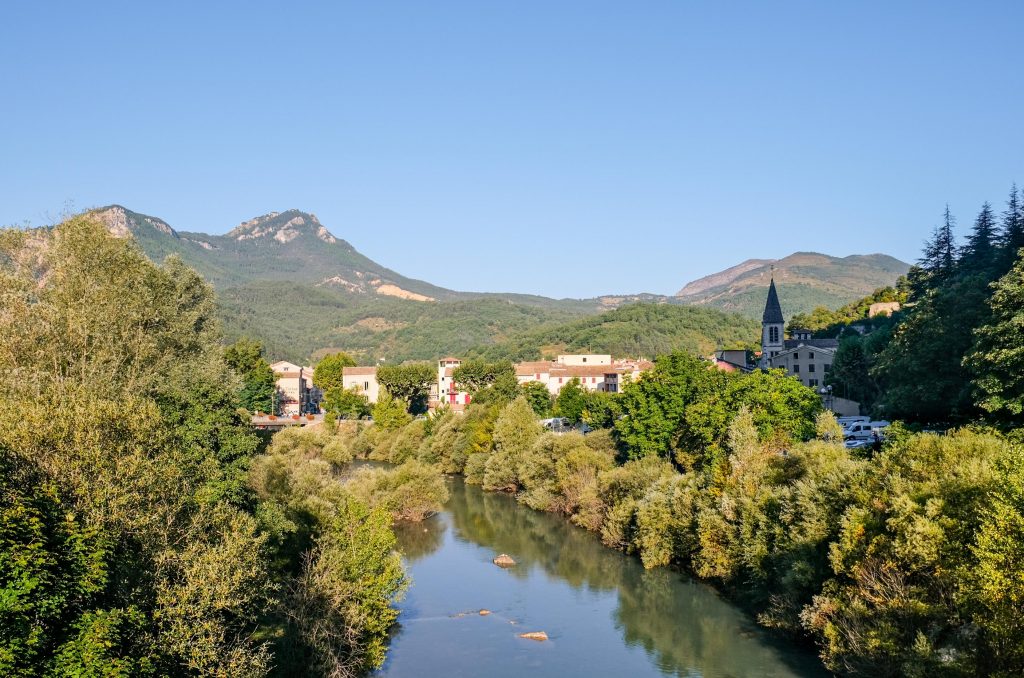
(873, 559)
(603, 612)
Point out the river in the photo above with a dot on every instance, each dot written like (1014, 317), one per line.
(604, 614)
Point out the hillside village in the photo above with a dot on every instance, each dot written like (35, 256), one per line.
(802, 356)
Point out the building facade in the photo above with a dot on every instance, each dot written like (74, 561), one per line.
(362, 380)
(296, 393)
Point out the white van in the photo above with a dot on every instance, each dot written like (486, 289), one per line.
(846, 421)
(866, 430)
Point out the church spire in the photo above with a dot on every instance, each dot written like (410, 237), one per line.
(772, 308)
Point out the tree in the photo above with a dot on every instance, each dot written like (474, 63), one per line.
(410, 383)
(601, 409)
(571, 401)
(539, 397)
(328, 372)
(996, 583)
(654, 405)
(997, 358)
(474, 375)
(1011, 238)
(245, 358)
(979, 252)
(939, 256)
(390, 413)
(346, 403)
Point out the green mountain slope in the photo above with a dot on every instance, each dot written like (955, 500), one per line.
(805, 280)
(638, 330)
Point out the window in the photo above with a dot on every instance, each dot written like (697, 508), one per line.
(366, 386)
(810, 368)
(773, 335)
(593, 380)
(828, 367)
(796, 369)
(812, 382)
(810, 356)
(584, 360)
(796, 355)
(559, 380)
(537, 376)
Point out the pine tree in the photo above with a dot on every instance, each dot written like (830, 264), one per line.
(939, 256)
(978, 255)
(1011, 238)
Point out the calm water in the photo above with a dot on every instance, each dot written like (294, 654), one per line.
(605, 615)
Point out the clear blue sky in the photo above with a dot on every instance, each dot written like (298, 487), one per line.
(561, 148)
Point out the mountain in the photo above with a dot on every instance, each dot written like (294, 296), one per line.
(287, 280)
(805, 280)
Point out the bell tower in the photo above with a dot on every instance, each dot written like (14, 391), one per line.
(772, 327)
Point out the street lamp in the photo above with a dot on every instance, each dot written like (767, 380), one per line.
(826, 395)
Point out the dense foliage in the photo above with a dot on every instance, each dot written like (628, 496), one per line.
(949, 356)
(902, 562)
(246, 359)
(141, 533)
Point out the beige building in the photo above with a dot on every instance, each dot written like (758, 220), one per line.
(363, 380)
(296, 393)
(584, 359)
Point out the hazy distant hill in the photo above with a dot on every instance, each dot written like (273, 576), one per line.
(286, 279)
(804, 279)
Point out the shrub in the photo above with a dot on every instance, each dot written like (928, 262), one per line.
(411, 491)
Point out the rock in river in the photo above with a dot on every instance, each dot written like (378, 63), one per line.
(534, 635)
(504, 560)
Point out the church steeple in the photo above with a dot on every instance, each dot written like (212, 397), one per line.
(772, 327)
(772, 308)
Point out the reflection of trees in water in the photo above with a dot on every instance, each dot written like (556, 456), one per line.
(417, 540)
(533, 538)
(683, 625)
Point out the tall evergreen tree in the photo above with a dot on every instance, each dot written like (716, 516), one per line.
(939, 256)
(1011, 238)
(979, 252)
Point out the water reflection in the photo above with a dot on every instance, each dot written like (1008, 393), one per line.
(609, 615)
(419, 540)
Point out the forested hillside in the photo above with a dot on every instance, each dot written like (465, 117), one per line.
(637, 330)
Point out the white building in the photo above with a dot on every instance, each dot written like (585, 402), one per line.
(594, 372)
(363, 380)
(296, 393)
(446, 391)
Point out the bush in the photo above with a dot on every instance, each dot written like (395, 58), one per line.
(411, 492)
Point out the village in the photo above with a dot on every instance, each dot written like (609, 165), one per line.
(801, 356)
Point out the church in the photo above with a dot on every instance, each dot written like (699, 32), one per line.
(802, 356)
